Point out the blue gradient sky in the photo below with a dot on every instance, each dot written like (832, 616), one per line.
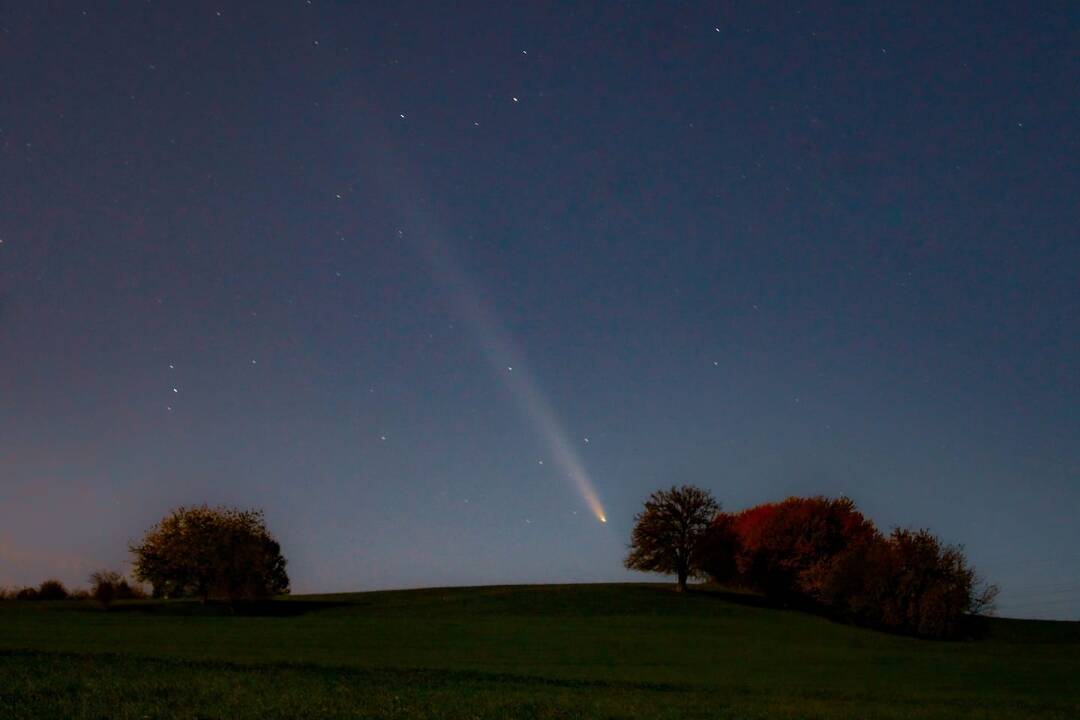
(769, 251)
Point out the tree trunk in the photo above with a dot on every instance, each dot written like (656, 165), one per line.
(682, 580)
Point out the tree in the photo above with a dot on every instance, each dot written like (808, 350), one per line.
(669, 530)
(786, 548)
(211, 553)
(52, 589)
(822, 553)
(913, 583)
(718, 553)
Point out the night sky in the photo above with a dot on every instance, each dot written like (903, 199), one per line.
(417, 279)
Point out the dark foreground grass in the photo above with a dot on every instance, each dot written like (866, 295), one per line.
(592, 651)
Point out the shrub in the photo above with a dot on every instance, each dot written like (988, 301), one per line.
(109, 585)
(26, 593)
(104, 585)
(52, 590)
(127, 591)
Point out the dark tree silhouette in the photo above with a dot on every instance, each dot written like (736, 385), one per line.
(27, 593)
(669, 530)
(109, 585)
(211, 553)
(103, 584)
(52, 590)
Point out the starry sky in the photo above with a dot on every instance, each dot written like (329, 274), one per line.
(438, 286)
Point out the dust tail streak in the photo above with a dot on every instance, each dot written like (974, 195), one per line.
(509, 364)
(421, 230)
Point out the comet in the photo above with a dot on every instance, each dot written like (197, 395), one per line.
(426, 235)
(512, 368)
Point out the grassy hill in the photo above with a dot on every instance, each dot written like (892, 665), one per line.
(596, 651)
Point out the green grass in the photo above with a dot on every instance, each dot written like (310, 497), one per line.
(591, 651)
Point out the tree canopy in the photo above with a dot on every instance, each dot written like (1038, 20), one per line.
(823, 554)
(206, 552)
(669, 530)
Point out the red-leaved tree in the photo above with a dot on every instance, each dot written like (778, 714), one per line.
(823, 553)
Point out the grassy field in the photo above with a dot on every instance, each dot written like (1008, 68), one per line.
(591, 651)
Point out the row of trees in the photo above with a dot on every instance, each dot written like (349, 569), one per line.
(817, 553)
(208, 553)
(105, 586)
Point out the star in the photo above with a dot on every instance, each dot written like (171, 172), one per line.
(514, 99)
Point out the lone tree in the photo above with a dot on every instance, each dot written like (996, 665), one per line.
(668, 532)
(209, 553)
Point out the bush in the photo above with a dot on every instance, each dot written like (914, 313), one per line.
(109, 585)
(52, 590)
(127, 591)
(103, 586)
(26, 593)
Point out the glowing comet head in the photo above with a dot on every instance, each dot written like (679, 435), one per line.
(500, 351)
